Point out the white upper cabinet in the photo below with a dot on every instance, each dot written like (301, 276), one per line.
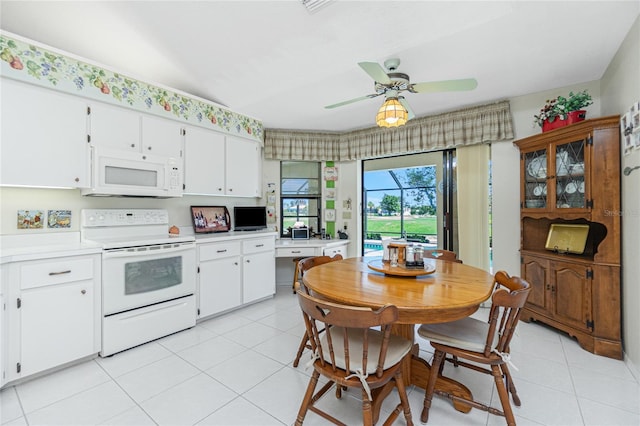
(204, 162)
(244, 167)
(162, 137)
(44, 138)
(216, 164)
(115, 128)
(122, 129)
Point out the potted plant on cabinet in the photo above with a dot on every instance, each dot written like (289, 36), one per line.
(562, 111)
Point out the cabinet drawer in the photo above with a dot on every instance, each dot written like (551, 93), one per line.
(256, 245)
(62, 270)
(296, 252)
(218, 250)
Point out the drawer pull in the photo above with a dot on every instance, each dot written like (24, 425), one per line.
(59, 273)
(296, 251)
(259, 245)
(221, 251)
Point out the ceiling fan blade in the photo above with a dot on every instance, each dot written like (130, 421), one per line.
(444, 86)
(376, 72)
(350, 101)
(406, 106)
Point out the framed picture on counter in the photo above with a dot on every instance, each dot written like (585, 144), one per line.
(209, 219)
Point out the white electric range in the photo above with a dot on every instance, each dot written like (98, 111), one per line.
(148, 276)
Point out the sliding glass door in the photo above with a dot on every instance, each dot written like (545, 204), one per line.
(409, 197)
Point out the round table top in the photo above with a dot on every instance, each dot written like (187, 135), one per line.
(453, 291)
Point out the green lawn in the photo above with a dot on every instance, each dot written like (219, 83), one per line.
(391, 224)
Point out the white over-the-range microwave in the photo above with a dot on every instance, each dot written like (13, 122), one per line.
(134, 174)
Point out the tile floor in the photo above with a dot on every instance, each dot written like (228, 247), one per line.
(236, 370)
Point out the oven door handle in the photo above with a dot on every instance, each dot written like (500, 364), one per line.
(124, 252)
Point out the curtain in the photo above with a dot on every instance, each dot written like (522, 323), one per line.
(473, 204)
(469, 126)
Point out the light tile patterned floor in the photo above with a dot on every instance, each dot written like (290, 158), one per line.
(236, 370)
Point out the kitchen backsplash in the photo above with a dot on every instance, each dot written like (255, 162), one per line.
(15, 199)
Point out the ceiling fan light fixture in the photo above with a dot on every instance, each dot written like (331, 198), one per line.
(391, 114)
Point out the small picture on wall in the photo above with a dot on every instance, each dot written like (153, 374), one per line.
(330, 194)
(635, 117)
(59, 218)
(628, 144)
(30, 219)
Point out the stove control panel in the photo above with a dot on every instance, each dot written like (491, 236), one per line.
(123, 217)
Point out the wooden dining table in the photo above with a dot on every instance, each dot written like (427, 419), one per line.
(451, 292)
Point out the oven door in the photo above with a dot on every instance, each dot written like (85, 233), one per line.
(134, 277)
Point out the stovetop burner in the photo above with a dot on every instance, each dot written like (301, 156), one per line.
(117, 228)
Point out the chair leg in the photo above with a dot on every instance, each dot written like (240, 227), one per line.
(496, 372)
(301, 348)
(455, 361)
(367, 413)
(295, 278)
(306, 401)
(404, 400)
(438, 357)
(510, 385)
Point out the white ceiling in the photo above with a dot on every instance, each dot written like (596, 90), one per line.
(275, 61)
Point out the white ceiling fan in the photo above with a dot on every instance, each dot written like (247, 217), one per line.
(391, 83)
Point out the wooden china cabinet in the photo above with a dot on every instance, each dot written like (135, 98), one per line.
(571, 176)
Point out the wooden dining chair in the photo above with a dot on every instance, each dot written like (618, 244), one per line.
(304, 265)
(441, 254)
(352, 354)
(481, 342)
(296, 271)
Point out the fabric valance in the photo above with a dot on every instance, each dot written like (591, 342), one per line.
(469, 126)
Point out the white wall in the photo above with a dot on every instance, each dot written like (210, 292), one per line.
(620, 89)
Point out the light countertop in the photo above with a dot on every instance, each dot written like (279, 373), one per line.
(312, 242)
(16, 248)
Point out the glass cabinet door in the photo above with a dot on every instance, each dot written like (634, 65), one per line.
(571, 187)
(535, 179)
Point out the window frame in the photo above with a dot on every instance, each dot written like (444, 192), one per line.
(310, 197)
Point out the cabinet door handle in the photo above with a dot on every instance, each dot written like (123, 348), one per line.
(248, 261)
(60, 273)
(83, 291)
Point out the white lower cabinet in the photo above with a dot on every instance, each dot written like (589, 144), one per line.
(219, 278)
(258, 268)
(53, 313)
(56, 325)
(234, 272)
(332, 251)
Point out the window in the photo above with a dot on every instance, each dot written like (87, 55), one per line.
(300, 195)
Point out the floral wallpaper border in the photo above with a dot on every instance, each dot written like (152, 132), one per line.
(33, 64)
